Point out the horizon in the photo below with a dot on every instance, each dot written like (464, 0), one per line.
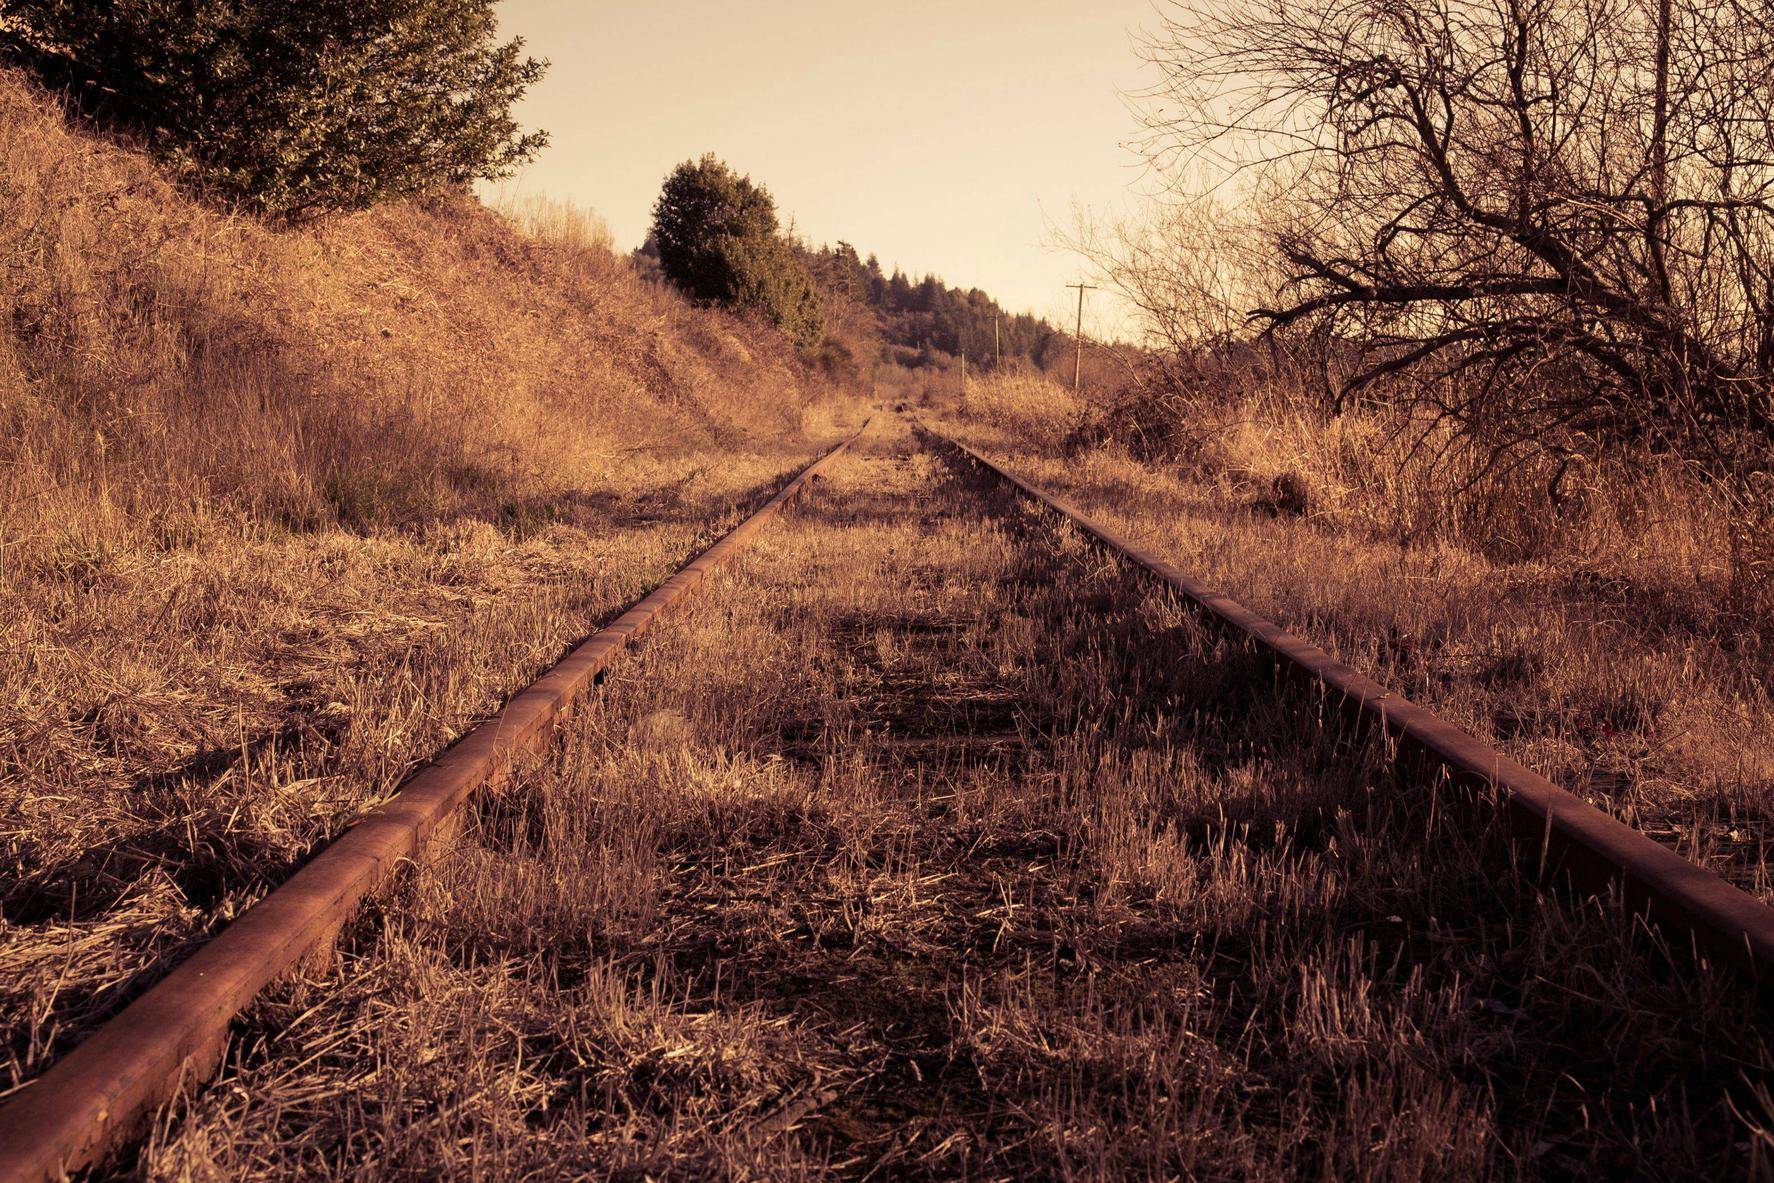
(961, 153)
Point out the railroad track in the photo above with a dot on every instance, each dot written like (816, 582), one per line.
(175, 1034)
(1599, 852)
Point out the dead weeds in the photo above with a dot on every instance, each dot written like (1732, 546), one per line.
(773, 910)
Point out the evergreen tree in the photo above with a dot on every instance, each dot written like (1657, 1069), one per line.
(717, 238)
(293, 108)
(928, 323)
(899, 291)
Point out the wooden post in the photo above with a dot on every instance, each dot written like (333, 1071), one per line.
(1078, 337)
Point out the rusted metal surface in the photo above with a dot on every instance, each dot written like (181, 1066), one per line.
(1598, 851)
(177, 1032)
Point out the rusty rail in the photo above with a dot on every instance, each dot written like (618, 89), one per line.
(176, 1034)
(1600, 852)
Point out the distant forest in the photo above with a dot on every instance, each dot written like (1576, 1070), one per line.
(927, 322)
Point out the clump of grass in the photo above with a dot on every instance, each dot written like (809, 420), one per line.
(1023, 405)
(577, 237)
(1399, 475)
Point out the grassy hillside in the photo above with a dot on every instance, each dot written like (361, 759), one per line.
(281, 512)
(166, 364)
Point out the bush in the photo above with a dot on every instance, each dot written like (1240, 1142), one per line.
(717, 239)
(293, 109)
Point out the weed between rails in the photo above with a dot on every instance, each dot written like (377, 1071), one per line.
(933, 844)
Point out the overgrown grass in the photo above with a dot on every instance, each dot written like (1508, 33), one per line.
(1603, 642)
(931, 844)
(283, 512)
(168, 370)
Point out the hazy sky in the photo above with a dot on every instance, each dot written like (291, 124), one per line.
(941, 136)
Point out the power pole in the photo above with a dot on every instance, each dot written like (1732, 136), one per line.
(998, 340)
(1078, 337)
(963, 371)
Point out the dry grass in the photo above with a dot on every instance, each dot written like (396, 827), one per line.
(1603, 647)
(930, 844)
(1025, 406)
(281, 513)
(575, 230)
(167, 368)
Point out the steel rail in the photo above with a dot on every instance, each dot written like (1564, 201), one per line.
(176, 1033)
(1599, 852)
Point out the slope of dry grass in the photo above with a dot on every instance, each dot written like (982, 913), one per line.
(931, 844)
(1605, 650)
(166, 366)
(281, 513)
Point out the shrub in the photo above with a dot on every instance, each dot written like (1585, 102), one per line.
(293, 109)
(717, 239)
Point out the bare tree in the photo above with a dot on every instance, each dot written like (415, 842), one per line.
(1556, 217)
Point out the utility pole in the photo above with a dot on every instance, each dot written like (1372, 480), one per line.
(998, 340)
(1078, 337)
(963, 371)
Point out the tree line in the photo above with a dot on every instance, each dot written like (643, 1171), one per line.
(296, 111)
(927, 322)
(716, 236)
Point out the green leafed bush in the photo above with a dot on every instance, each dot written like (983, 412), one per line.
(718, 241)
(293, 109)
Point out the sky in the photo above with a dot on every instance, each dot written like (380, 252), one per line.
(945, 137)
